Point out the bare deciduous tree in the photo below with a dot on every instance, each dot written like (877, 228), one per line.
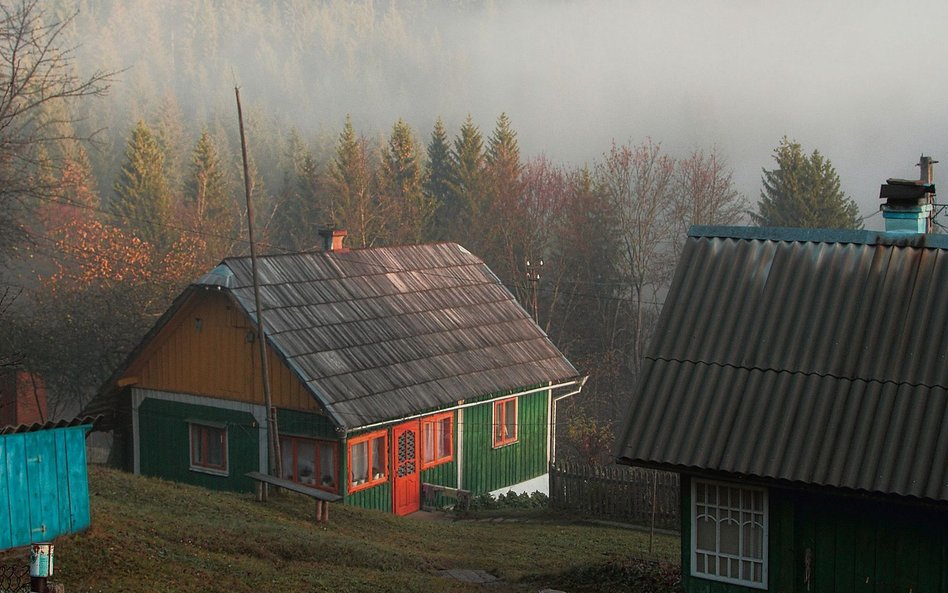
(639, 182)
(37, 80)
(705, 194)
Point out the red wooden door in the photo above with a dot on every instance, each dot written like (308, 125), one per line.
(406, 492)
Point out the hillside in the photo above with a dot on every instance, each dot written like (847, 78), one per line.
(152, 535)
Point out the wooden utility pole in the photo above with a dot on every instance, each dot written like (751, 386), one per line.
(273, 444)
(533, 276)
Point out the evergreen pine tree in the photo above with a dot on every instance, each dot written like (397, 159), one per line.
(353, 205)
(208, 198)
(300, 211)
(804, 191)
(467, 185)
(438, 179)
(409, 208)
(501, 219)
(142, 199)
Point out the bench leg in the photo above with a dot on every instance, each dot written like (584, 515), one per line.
(322, 511)
(261, 492)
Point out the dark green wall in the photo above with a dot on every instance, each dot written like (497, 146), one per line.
(163, 429)
(305, 424)
(485, 468)
(857, 545)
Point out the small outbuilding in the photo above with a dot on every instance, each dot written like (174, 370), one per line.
(798, 382)
(390, 368)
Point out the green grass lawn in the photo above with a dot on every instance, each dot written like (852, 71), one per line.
(153, 535)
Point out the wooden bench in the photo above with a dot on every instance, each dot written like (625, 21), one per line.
(429, 491)
(322, 497)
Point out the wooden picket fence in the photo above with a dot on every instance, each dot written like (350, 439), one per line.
(617, 493)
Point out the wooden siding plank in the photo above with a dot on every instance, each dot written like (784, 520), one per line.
(61, 478)
(845, 553)
(80, 516)
(6, 498)
(41, 474)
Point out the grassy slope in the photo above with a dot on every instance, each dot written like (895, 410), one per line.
(152, 535)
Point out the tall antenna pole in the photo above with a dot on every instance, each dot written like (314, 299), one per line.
(275, 465)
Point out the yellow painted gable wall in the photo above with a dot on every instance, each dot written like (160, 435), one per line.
(209, 348)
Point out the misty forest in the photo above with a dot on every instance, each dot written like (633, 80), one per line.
(122, 178)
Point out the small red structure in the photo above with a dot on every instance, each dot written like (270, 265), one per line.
(22, 399)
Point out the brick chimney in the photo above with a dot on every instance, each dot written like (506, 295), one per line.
(332, 239)
(22, 399)
(909, 203)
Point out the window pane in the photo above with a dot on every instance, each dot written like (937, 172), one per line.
(510, 420)
(196, 457)
(306, 462)
(359, 454)
(730, 537)
(327, 466)
(215, 447)
(444, 440)
(428, 441)
(753, 541)
(286, 454)
(498, 422)
(705, 535)
(378, 457)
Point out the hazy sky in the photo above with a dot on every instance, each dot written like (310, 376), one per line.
(864, 82)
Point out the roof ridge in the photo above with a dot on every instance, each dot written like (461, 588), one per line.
(819, 235)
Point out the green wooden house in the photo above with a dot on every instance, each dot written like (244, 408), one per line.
(798, 382)
(390, 368)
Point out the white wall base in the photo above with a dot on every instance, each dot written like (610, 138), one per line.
(537, 484)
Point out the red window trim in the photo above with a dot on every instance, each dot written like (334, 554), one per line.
(501, 421)
(200, 431)
(383, 434)
(435, 420)
(294, 439)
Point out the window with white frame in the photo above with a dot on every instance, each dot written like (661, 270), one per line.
(208, 448)
(729, 533)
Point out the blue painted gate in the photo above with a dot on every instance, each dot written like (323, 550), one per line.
(44, 485)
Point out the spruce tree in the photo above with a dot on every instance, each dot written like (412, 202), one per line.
(208, 198)
(501, 220)
(804, 191)
(467, 184)
(438, 179)
(353, 204)
(142, 198)
(301, 210)
(401, 181)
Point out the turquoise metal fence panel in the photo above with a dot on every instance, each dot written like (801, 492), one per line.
(44, 489)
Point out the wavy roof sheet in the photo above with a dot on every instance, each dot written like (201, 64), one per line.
(818, 357)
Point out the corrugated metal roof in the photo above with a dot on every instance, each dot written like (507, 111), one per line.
(64, 423)
(378, 334)
(815, 357)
